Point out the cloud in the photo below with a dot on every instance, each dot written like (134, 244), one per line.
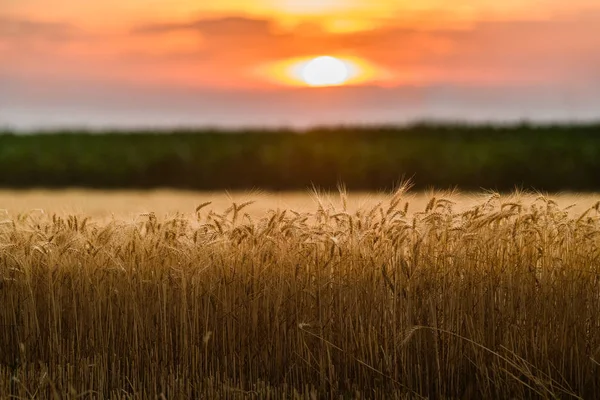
(20, 29)
(245, 40)
(222, 52)
(561, 49)
(228, 26)
(492, 51)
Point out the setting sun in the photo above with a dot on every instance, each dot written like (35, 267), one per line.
(325, 71)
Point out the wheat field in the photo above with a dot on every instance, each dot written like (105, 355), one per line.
(400, 295)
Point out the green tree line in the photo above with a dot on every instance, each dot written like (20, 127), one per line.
(558, 157)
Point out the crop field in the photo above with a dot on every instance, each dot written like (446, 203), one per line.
(177, 295)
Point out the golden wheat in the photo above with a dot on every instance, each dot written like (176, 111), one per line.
(500, 300)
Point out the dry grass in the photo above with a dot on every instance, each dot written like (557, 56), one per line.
(494, 300)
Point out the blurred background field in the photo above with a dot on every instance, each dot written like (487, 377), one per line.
(128, 204)
(550, 158)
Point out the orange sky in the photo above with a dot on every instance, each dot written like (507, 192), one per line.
(233, 45)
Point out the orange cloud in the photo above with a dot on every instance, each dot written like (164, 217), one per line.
(17, 29)
(492, 51)
(226, 52)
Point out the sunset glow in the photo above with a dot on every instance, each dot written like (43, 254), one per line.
(127, 48)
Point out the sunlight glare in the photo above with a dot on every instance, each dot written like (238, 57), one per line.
(296, 72)
(325, 71)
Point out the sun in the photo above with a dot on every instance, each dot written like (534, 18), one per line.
(322, 71)
(325, 71)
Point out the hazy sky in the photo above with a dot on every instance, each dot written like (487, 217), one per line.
(151, 62)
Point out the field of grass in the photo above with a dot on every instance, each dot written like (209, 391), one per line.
(383, 296)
